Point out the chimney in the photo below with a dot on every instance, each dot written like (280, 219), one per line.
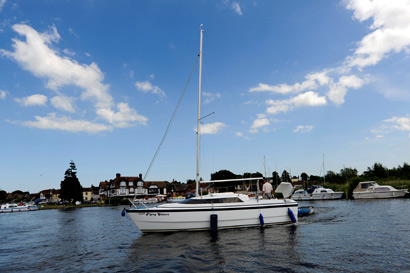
(117, 175)
(140, 176)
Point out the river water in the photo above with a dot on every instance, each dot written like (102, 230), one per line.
(342, 236)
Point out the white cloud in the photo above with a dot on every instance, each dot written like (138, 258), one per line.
(306, 99)
(258, 123)
(303, 129)
(210, 97)
(64, 103)
(69, 52)
(66, 124)
(237, 8)
(390, 33)
(3, 94)
(338, 91)
(147, 87)
(399, 123)
(33, 100)
(212, 128)
(34, 55)
(2, 3)
(125, 117)
(312, 82)
(391, 25)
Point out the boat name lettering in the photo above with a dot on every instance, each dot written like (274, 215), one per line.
(156, 214)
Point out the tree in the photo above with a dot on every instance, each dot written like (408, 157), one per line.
(285, 176)
(70, 188)
(276, 178)
(304, 176)
(250, 175)
(348, 173)
(378, 171)
(222, 175)
(3, 195)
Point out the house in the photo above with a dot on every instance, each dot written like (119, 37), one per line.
(295, 179)
(55, 196)
(150, 188)
(87, 194)
(122, 186)
(103, 190)
(95, 193)
(46, 195)
(176, 188)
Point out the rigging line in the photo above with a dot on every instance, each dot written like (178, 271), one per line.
(171, 120)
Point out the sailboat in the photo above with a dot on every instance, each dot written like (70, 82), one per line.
(216, 210)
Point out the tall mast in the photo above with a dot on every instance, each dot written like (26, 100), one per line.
(198, 127)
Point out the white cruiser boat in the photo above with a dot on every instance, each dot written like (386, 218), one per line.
(371, 190)
(5, 208)
(218, 210)
(316, 193)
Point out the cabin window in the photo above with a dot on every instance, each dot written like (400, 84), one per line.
(213, 200)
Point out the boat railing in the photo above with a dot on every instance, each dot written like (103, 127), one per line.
(135, 203)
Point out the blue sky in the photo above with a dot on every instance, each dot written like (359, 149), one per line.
(290, 82)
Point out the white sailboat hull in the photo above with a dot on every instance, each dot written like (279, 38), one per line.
(182, 217)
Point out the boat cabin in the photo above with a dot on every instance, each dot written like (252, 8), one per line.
(363, 186)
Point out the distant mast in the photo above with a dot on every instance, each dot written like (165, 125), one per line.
(324, 171)
(198, 127)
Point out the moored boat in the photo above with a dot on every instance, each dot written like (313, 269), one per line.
(316, 193)
(372, 190)
(177, 199)
(13, 207)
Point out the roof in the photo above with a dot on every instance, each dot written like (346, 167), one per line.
(159, 184)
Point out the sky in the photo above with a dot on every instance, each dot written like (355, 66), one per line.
(302, 86)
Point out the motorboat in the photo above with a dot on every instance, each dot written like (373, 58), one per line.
(371, 190)
(316, 193)
(150, 200)
(13, 207)
(215, 210)
(176, 199)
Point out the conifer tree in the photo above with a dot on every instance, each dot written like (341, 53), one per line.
(70, 188)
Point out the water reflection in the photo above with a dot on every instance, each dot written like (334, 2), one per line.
(226, 250)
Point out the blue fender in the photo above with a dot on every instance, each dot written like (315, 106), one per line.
(261, 219)
(291, 215)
